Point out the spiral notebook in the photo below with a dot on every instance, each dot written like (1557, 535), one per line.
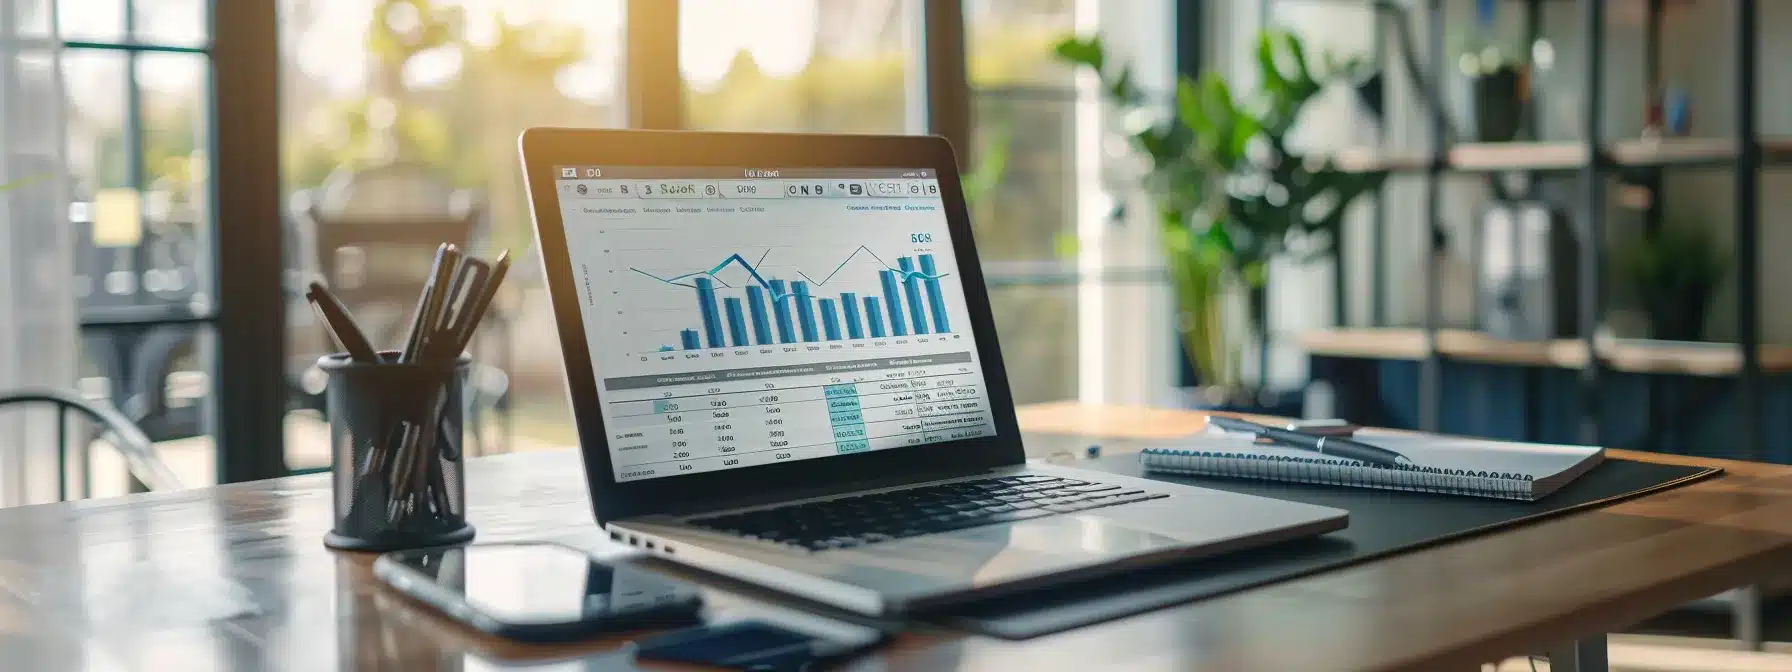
(1441, 464)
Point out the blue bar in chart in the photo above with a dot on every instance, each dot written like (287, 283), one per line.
(830, 320)
(712, 318)
(737, 322)
(781, 309)
(762, 326)
(874, 318)
(936, 301)
(689, 338)
(805, 311)
(893, 303)
(849, 304)
(911, 290)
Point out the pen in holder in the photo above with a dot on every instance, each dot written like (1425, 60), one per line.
(396, 438)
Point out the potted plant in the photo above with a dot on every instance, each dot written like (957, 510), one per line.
(1674, 271)
(1229, 192)
(1497, 78)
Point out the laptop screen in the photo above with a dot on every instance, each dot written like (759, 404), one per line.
(746, 316)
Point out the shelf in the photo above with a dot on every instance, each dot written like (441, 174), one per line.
(1627, 355)
(1486, 157)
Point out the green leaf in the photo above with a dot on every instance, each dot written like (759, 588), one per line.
(1124, 90)
(1190, 107)
(1244, 129)
(1273, 82)
(1217, 236)
(1255, 273)
(992, 166)
(1089, 52)
(1298, 53)
(1065, 244)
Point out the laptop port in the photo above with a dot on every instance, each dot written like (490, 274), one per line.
(615, 536)
(668, 549)
(634, 540)
(650, 544)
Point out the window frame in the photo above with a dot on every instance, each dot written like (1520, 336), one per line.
(246, 315)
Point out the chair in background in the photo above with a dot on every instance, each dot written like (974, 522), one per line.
(132, 444)
(370, 235)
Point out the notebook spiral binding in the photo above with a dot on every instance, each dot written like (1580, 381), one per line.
(1329, 471)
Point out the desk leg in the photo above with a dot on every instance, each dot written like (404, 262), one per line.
(1746, 610)
(1581, 655)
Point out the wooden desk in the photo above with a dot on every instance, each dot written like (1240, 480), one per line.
(236, 578)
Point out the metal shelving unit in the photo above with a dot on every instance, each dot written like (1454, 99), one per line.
(1595, 160)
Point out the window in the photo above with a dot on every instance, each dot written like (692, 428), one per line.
(798, 65)
(1024, 206)
(128, 89)
(399, 127)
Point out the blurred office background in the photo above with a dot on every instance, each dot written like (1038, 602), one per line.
(175, 170)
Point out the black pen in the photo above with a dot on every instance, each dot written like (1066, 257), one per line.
(429, 303)
(1324, 445)
(341, 324)
(476, 304)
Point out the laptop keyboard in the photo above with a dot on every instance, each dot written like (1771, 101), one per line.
(878, 517)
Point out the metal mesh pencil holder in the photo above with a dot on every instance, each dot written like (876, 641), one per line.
(396, 440)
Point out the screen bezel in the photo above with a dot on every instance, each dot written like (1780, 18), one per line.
(545, 148)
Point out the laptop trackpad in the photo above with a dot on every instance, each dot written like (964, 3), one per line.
(1085, 534)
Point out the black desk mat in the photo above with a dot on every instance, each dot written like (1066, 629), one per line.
(1381, 523)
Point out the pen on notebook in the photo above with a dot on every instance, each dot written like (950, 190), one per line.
(1324, 445)
(341, 324)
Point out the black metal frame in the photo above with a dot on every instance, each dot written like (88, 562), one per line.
(248, 379)
(139, 453)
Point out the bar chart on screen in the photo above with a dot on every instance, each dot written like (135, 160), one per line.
(823, 307)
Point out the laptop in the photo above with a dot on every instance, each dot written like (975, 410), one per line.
(783, 370)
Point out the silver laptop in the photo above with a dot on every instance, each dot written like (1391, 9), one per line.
(783, 369)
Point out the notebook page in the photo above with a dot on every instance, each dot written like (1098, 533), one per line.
(1536, 460)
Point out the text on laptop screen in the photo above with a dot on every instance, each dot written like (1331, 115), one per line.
(743, 316)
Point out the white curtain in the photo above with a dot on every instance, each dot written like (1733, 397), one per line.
(38, 323)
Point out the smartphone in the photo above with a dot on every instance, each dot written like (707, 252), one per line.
(539, 592)
(768, 638)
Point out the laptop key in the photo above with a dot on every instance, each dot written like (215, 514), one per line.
(1093, 487)
(998, 508)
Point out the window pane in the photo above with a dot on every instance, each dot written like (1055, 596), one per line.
(1010, 42)
(797, 65)
(31, 17)
(171, 22)
(399, 123)
(140, 248)
(177, 185)
(96, 87)
(1022, 186)
(91, 20)
(1037, 328)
